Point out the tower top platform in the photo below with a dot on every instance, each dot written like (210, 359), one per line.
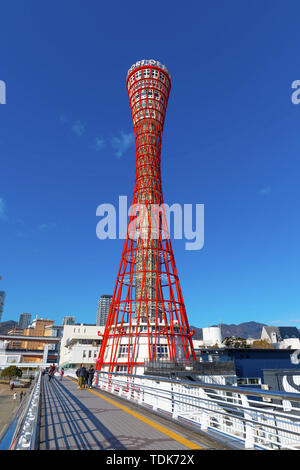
(145, 63)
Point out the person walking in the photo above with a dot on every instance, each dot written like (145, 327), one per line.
(81, 374)
(14, 396)
(51, 373)
(61, 373)
(77, 375)
(85, 378)
(21, 396)
(91, 373)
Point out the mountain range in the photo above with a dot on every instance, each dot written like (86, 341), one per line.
(5, 326)
(245, 330)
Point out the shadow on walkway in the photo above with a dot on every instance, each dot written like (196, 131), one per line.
(67, 424)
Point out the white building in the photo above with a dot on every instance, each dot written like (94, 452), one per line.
(282, 337)
(80, 344)
(139, 347)
(211, 336)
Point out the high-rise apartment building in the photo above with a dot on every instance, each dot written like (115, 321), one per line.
(24, 320)
(2, 297)
(69, 321)
(103, 309)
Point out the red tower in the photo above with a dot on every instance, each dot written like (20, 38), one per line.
(147, 318)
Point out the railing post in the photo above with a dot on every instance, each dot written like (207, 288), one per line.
(129, 390)
(155, 404)
(249, 429)
(204, 421)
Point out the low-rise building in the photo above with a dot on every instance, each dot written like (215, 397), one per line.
(16, 343)
(80, 344)
(37, 328)
(282, 337)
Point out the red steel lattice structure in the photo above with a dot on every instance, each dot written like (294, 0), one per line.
(147, 318)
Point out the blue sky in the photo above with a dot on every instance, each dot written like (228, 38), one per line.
(231, 142)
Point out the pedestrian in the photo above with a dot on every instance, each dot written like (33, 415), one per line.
(15, 396)
(61, 373)
(12, 385)
(21, 396)
(86, 378)
(51, 373)
(77, 374)
(81, 374)
(91, 373)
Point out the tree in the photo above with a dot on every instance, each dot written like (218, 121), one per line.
(262, 343)
(233, 342)
(11, 371)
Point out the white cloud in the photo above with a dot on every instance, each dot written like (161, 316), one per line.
(121, 144)
(99, 143)
(283, 322)
(63, 118)
(2, 209)
(265, 190)
(45, 227)
(78, 128)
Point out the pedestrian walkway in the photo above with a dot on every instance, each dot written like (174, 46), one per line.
(92, 420)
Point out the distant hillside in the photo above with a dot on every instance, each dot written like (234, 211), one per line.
(5, 326)
(245, 330)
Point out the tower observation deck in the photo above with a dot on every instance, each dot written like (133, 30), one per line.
(147, 318)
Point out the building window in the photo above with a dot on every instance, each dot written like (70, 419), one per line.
(162, 351)
(123, 351)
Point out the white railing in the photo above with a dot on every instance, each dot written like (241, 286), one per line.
(25, 435)
(256, 418)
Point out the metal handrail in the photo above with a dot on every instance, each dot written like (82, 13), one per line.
(20, 431)
(256, 423)
(226, 388)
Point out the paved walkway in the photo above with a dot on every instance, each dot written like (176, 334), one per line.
(8, 405)
(90, 419)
